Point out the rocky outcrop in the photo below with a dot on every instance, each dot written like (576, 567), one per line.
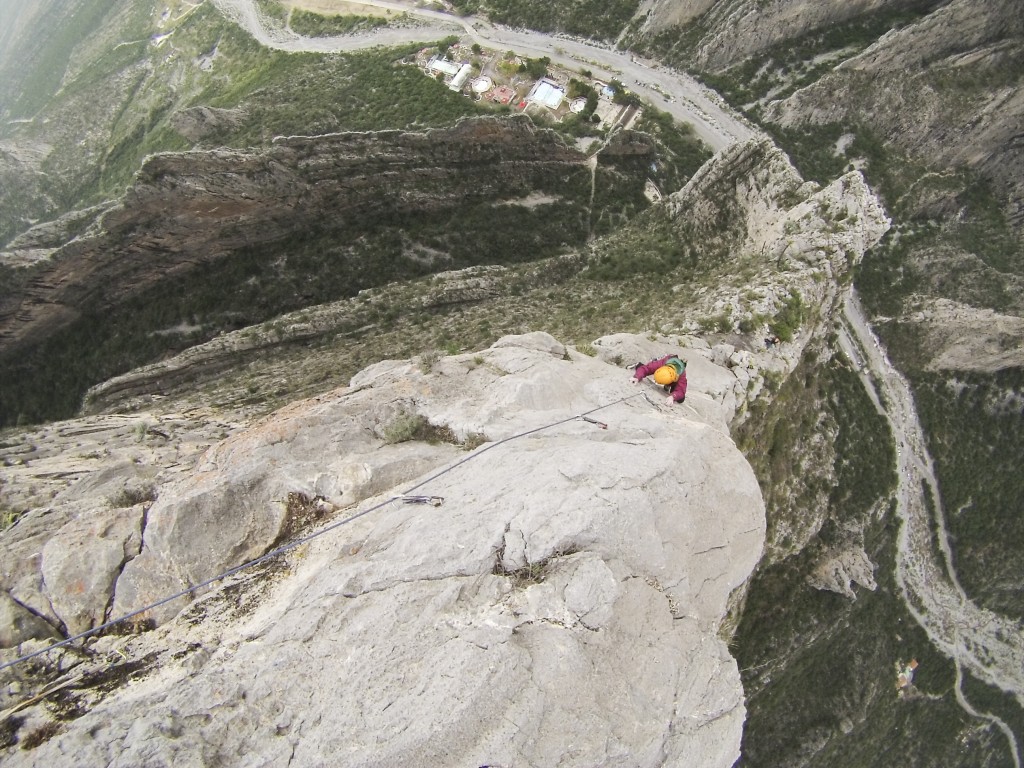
(960, 337)
(838, 570)
(747, 215)
(752, 199)
(42, 241)
(198, 122)
(939, 90)
(767, 236)
(192, 208)
(561, 604)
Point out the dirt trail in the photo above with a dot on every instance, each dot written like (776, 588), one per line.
(988, 645)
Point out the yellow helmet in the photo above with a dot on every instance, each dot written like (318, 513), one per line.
(666, 375)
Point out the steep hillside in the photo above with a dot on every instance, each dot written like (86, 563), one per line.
(228, 271)
(205, 242)
(925, 98)
(118, 80)
(934, 83)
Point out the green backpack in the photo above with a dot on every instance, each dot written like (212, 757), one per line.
(680, 367)
(678, 364)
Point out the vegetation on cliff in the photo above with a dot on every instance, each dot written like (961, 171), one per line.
(600, 19)
(818, 667)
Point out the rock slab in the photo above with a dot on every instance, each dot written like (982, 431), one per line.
(561, 606)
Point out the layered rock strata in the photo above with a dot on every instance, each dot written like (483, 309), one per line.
(192, 208)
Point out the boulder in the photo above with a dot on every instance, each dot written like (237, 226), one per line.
(82, 561)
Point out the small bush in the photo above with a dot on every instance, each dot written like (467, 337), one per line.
(789, 318)
(407, 426)
(403, 428)
(40, 735)
(8, 517)
(427, 360)
(9, 730)
(129, 496)
(586, 349)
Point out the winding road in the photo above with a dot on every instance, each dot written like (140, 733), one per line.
(673, 92)
(988, 645)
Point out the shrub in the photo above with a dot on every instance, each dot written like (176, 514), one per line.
(130, 495)
(427, 360)
(789, 318)
(403, 428)
(8, 517)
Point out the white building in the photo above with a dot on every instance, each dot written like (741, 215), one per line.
(460, 77)
(441, 64)
(546, 92)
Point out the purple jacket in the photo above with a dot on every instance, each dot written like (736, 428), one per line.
(678, 389)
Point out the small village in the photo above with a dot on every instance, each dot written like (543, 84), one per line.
(532, 86)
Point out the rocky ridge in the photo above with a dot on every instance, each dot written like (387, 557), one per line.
(519, 603)
(761, 232)
(191, 208)
(941, 90)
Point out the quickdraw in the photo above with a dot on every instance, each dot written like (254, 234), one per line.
(434, 501)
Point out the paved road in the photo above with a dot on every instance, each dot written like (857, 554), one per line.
(673, 92)
(987, 644)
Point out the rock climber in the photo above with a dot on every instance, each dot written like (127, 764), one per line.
(669, 372)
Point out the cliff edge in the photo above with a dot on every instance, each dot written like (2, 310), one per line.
(559, 602)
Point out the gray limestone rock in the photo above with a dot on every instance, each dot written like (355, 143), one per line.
(561, 606)
(81, 562)
(18, 624)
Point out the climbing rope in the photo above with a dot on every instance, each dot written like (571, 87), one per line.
(304, 539)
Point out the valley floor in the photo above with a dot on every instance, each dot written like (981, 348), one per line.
(990, 646)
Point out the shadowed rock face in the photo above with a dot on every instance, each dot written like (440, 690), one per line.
(565, 599)
(945, 90)
(196, 207)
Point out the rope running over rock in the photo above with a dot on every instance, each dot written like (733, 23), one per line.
(297, 542)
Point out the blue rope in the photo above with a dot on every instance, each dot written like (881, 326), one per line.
(297, 542)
